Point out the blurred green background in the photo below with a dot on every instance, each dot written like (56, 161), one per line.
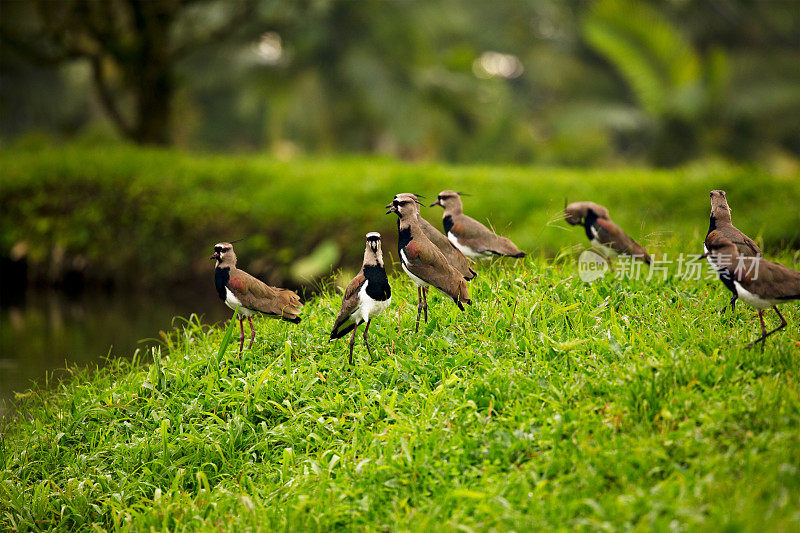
(570, 82)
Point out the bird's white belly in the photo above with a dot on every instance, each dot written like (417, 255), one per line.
(232, 302)
(466, 250)
(417, 280)
(753, 299)
(369, 308)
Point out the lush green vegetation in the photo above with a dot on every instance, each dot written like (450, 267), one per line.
(150, 216)
(549, 403)
(550, 82)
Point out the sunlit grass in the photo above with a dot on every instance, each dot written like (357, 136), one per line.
(549, 403)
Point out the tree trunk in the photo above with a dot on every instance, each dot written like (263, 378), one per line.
(153, 93)
(152, 73)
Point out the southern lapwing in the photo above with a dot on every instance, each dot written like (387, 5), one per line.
(424, 263)
(453, 255)
(760, 283)
(606, 236)
(575, 212)
(720, 221)
(239, 290)
(470, 236)
(367, 295)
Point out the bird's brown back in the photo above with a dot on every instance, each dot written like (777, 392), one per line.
(771, 281)
(475, 235)
(427, 262)
(453, 255)
(255, 294)
(613, 236)
(744, 244)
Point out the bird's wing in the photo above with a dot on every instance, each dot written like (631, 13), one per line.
(611, 235)
(427, 262)
(769, 280)
(475, 235)
(349, 304)
(255, 294)
(458, 260)
(453, 255)
(746, 245)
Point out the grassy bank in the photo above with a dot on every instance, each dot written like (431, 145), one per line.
(149, 216)
(549, 404)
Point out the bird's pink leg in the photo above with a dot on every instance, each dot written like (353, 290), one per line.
(352, 342)
(425, 302)
(763, 332)
(419, 307)
(241, 333)
(366, 342)
(252, 331)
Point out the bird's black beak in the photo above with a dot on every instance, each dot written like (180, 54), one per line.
(437, 202)
(215, 256)
(392, 209)
(705, 255)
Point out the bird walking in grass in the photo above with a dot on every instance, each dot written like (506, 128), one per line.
(605, 235)
(424, 263)
(366, 296)
(472, 238)
(247, 295)
(760, 283)
(720, 221)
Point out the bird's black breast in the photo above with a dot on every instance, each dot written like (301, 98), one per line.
(377, 283)
(712, 224)
(447, 222)
(726, 277)
(403, 238)
(221, 277)
(589, 220)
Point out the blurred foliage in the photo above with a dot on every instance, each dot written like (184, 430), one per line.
(566, 82)
(150, 216)
(130, 47)
(317, 263)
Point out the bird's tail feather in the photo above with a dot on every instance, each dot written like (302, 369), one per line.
(339, 333)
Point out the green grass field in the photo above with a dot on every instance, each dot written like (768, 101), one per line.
(548, 404)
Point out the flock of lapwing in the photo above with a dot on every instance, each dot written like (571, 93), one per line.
(445, 260)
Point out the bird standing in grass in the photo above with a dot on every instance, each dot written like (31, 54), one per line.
(606, 236)
(454, 256)
(366, 296)
(424, 263)
(470, 236)
(720, 221)
(247, 295)
(760, 283)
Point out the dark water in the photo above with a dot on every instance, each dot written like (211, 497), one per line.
(44, 330)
